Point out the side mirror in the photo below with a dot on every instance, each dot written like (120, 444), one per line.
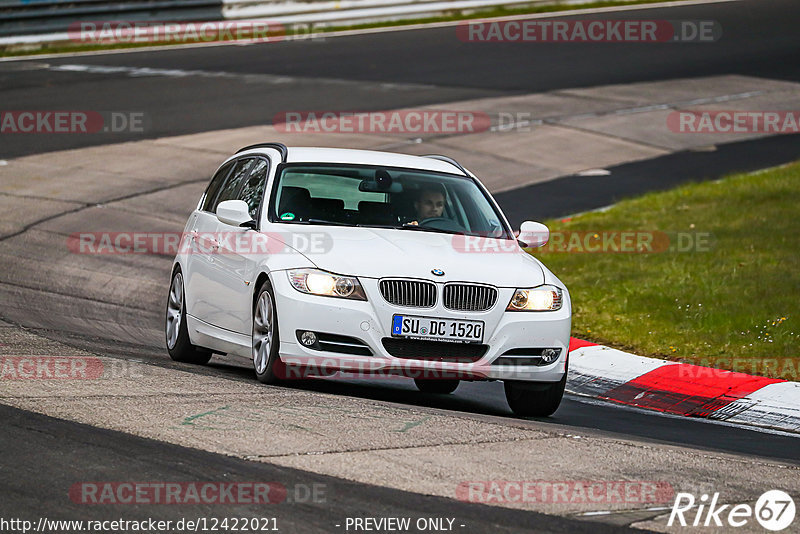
(234, 212)
(533, 234)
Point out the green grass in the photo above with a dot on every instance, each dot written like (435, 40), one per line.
(734, 306)
(61, 47)
(495, 12)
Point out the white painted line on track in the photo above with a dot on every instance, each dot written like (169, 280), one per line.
(594, 172)
(274, 79)
(624, 511)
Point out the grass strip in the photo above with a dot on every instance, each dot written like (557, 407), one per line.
(729, 300)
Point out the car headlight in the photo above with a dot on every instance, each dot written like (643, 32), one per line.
(317, 282)
(542, 298)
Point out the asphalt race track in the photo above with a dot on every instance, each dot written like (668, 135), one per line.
(74, 449)
(346, 73)
(247, 85)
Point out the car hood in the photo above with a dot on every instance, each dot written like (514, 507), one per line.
(379, 253)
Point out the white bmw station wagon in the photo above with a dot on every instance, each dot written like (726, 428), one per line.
(318, 261)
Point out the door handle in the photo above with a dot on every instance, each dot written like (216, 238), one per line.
(207, 244)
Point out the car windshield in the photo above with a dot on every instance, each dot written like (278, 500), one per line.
(384, 197)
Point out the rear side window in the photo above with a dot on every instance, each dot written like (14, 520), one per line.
(253, 190)
(215, 185)
(234, 182)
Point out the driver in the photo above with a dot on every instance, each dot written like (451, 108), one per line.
(429, 203)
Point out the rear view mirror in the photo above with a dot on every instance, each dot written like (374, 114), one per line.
(381, 183)
(371, 186)
(533, 234)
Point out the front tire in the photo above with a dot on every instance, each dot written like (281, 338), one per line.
(442, 387)
(538, 399)
(179, 345)
(267, 363)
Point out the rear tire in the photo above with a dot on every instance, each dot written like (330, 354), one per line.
(265, 341)
(179, 345)
(538, 399)
(441, 387)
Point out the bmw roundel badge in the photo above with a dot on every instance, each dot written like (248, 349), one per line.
(437, 272)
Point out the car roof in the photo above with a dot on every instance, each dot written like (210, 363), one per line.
(362, 157)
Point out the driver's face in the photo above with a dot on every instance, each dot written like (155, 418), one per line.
(430, 204)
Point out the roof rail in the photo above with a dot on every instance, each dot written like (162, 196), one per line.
(280, 147)
(449, 160)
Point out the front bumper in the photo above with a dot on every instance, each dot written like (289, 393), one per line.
(370, 321)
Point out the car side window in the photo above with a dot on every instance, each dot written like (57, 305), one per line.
(215, 185)
(234, 182)
(253, 190)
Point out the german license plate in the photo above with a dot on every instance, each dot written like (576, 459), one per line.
(453, 330)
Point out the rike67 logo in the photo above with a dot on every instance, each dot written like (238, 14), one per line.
(774, 511)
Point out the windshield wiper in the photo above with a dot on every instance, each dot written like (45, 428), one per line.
(328, 223)
(405, 226)
(409, 226)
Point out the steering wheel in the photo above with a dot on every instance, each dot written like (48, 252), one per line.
(442, 223)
